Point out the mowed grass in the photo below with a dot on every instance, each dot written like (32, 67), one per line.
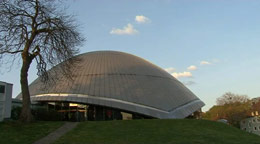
(20, 133)
(157, 132)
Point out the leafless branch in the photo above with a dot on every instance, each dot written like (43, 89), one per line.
(39, 30)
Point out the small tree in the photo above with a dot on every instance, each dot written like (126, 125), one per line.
(232, 107)
(234, 112)
(229, 98)
(37, 30)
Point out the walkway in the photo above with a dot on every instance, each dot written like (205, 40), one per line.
(57, 133)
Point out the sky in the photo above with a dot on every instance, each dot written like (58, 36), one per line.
(212, 46)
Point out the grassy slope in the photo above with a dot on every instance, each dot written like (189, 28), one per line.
(18, 133)
(157, 132)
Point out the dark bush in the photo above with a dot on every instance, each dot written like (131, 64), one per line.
(15, 113)
(46, 115)
(40, 114)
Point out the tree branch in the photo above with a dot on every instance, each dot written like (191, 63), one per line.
(11, 52)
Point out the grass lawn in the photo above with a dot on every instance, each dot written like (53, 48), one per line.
(19, 133)
(157, 132)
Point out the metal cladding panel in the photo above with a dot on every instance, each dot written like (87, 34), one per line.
(141, 110)
(75, 99)
(124, 77)
(52, 98)
(81, 99)
(59, 98)
(90, 101)
(63, 98)
(95, 101)
(131, 108)
(85, 100)
(180, 112)
(101, 102)
(107, 103)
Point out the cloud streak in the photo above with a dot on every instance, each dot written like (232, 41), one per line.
(182, 74)
(127, 30)
(205, 63)
(170, 70)
(192, 68)
(142, 19)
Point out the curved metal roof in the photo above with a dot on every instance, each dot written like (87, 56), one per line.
(124, 81)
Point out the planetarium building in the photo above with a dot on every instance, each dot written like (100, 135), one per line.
(115, 85)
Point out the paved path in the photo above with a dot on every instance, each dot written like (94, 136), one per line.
(57, 133)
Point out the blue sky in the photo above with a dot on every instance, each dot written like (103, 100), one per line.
(219, 39)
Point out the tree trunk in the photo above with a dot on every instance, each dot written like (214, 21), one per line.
(26, 115)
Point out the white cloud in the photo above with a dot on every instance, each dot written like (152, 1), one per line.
(205, 63)
(127, 30)
(142, 19)
(170, 70)
(192, 67)
(182, 74)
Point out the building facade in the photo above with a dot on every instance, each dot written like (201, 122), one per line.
(5, 100)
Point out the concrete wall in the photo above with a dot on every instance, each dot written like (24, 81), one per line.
(5, 100)
(251, 125)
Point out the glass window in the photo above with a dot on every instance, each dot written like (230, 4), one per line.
(2, 89)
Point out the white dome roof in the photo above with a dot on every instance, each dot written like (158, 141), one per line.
(124, 81)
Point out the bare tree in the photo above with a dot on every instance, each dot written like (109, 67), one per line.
(37, 30)
(229, 98)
